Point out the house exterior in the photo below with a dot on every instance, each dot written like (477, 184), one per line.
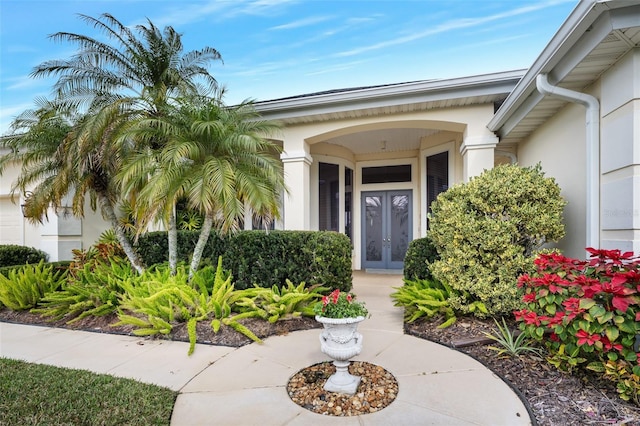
(368, 161)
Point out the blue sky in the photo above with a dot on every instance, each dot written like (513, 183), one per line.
(279, 48)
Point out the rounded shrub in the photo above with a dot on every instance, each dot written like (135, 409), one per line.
(12, 254)
(487, 231)
(420, 254)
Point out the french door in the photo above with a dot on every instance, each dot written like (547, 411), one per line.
(386, 228)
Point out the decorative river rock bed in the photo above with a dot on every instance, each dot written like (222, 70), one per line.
(378, 388)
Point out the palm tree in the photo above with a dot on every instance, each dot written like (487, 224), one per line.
(33, 143)
(63, 155)
(152, 69)
(92, 159)
(219, 160)
(134, 77)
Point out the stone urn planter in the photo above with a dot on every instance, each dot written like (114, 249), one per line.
(341, 341)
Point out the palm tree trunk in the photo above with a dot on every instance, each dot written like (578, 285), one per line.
(201, 244)
(109, 213)
(172, 236)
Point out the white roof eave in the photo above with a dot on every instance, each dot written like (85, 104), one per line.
(578, 35)
(391, 95)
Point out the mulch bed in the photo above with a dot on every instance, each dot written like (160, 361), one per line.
(554, 398)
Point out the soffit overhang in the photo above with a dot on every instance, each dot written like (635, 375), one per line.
(594, 37)
(390, 99)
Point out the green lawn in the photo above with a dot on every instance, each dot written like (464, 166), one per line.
(33, 394)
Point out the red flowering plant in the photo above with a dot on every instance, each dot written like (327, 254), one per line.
(587, 313)
(340, 305)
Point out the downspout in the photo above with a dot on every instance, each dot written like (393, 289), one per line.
(593, 151)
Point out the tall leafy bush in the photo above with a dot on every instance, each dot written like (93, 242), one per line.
(487, 230)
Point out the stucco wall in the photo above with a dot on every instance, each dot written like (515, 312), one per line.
(57, 236)
(620, 154)
(559, 146)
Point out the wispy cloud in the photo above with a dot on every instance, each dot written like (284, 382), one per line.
(261, 7)
(490, 42)
(363, 20)
(187, 13)
(452, 25)
(305, 22)
(335, 68)
(263, 69)
(327, 32)
(21, 82)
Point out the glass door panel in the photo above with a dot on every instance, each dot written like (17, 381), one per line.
(373, 228)
(386, 228)
(399, 226)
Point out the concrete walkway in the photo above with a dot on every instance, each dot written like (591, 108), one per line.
(247, 386)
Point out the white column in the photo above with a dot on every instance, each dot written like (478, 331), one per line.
(477, 155)
(60, 235)
(297, 212)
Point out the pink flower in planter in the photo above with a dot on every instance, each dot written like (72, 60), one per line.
(335, 295)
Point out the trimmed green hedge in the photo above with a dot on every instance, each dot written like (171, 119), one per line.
(12, 254)
(420, 254)
(153, 247)
(265, 259)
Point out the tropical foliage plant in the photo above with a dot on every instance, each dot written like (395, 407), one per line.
(94, 289)
(487, 231)
(106, 250)
(587, 313)
(23, 288)
(281, 303)
(157, 300)
(425, 298)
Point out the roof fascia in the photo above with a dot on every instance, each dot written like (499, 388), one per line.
(385, 96)
(575, 39)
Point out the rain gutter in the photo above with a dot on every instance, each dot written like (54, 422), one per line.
(592, 150)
